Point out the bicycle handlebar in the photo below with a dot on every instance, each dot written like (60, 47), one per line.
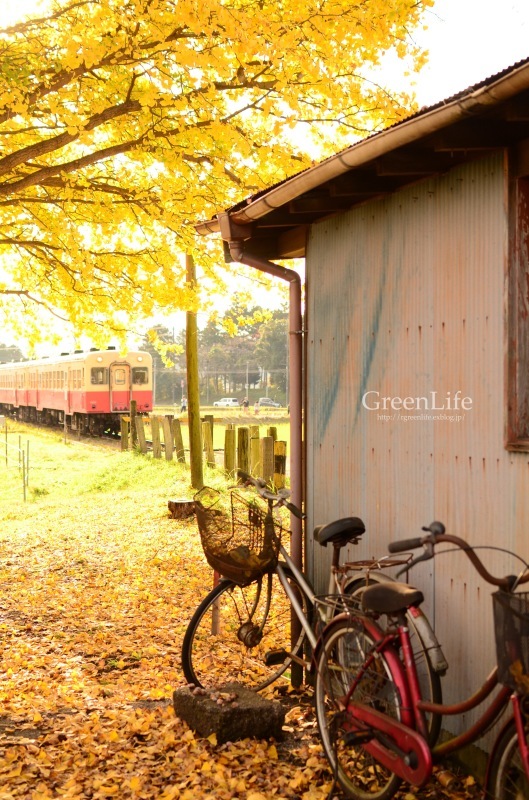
(436, 535)
(405, 544)
(279, 499)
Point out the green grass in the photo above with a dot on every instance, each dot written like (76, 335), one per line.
(61, 471)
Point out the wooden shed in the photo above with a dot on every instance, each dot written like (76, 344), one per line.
(416, 342)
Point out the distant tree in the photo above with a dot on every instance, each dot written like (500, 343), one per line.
(166, 354)
(10, 353)
(271, 350)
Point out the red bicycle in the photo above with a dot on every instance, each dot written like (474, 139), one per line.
(370, 711)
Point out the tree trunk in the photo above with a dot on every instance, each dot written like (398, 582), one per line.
(193, 397)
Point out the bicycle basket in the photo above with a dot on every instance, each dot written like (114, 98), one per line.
(241, 544)
(511, 623)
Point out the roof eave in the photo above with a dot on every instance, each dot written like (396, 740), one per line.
(406, 132)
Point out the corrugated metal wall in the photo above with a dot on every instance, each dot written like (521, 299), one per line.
(405, 296)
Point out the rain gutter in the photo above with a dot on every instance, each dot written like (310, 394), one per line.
(464, 106)
(235, 236)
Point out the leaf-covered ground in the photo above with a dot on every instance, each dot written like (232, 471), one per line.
(97, 584)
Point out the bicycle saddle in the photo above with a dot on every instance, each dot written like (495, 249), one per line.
(340, 532)
(390, 597)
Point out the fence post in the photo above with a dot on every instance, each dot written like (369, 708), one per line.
(209, 418)
(243, 439)
(124, 423)
(208, 444)
(133, 430)
(140, 433)
(280, 464)
(155, 434)
(178, 441)
(229, 451)
(24, 475)
(168, 437)
(267, 459)
(272, 432)
(255, 454)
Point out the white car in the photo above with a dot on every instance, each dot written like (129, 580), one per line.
(227, 402)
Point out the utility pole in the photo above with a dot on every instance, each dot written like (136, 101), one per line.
(193, 394)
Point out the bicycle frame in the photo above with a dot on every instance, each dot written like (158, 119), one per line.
(396, 735)
(309, 592)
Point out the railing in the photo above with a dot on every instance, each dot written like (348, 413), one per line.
(15, 456)
(243, 446)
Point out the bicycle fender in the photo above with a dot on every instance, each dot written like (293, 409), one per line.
(397, 747)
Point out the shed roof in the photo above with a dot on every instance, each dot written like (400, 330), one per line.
(487, 116)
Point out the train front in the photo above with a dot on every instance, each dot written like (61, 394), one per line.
(115, 381)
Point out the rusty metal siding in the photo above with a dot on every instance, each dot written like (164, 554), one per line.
(405, 296)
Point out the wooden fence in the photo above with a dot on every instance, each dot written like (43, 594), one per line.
(244, 447)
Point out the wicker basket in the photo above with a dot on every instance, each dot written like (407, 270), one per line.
(241, 544)
(511, 623)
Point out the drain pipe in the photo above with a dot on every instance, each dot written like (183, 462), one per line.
(235, 235)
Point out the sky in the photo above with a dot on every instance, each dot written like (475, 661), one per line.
(468, 41)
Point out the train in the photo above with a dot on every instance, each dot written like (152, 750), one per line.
(86, 391)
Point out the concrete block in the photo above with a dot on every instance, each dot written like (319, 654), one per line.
(231, 712)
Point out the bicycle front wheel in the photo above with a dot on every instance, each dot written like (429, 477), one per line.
(506, 778)
(242, 634)
(342, 654)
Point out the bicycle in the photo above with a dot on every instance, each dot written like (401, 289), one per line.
(369, 706)
(263, 618)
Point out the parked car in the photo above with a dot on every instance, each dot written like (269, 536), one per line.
(227, 402)
(267, 401)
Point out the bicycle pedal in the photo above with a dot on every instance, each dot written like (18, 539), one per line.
(275, 657)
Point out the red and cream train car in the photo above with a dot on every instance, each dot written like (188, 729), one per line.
(90, 389)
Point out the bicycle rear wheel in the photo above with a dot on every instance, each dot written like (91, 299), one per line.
(340, 657)
(506, 778)
(429, 679)
(241, 634)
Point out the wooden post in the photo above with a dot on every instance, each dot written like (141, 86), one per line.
(155, 433)
(193, 395)
(208, 444)
(178, 441)
(267, 459)
(273, 433)
(210, 420)
(255, 454)
(243, 460)
(280, 464)
(168, 437)
(124, 423)
(140, 433)
(229, 451)
(133, 432)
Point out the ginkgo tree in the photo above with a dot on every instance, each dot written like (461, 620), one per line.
(123, 122)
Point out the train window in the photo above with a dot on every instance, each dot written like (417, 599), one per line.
(119, 376)
(140, 375)
(99, 375)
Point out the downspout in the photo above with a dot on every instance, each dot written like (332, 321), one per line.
(235, 236)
